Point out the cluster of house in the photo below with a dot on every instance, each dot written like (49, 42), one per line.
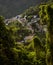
(18, 18)
(23, 21)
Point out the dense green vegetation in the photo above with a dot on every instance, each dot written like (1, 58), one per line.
(38, 50)
(46, 15)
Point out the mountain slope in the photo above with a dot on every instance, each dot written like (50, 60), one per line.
(9, 8)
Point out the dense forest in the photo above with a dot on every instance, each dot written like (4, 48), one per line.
(29, 42)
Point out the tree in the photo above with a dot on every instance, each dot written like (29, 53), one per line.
(6, 44)
(46, 15)
(37, 46)
(5, 35)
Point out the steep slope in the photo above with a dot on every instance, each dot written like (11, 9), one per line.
(9, 8)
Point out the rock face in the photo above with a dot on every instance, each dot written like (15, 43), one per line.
(9, 8)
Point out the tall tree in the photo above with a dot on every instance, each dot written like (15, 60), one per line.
(5, 35)
(46, 15)
(6, 43)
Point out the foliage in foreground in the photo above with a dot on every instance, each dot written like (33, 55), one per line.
(35, 53)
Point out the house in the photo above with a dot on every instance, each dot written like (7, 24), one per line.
(28, 38)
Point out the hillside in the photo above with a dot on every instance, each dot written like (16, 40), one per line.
(27, 39)
(10, 8)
